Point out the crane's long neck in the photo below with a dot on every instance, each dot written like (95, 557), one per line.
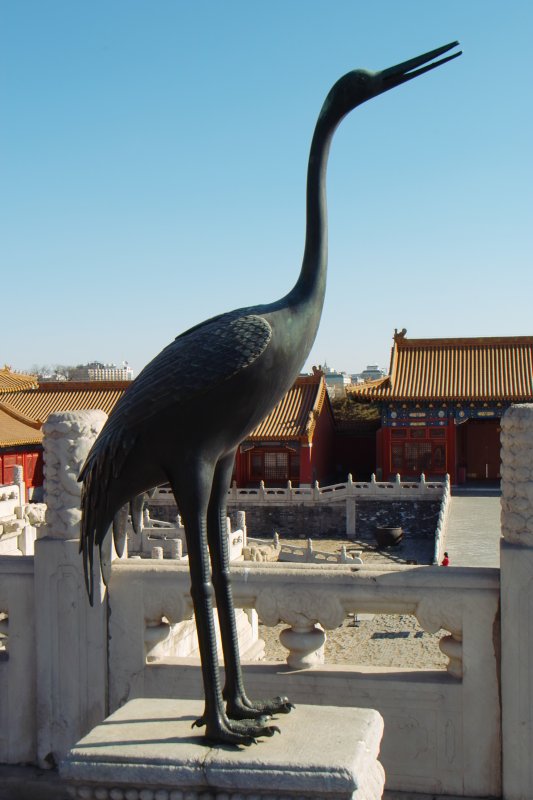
(310, 287)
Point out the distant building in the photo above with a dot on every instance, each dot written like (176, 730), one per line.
(371, 373)
(96, 371)
(336, 382)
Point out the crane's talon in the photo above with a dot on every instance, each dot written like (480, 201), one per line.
(241, 708)
(198, 723)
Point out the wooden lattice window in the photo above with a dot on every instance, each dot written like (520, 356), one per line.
(417, 456)
(256, 466)
(276, 466)
(397, 457)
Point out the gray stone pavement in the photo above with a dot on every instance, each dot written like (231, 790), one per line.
(473, 532)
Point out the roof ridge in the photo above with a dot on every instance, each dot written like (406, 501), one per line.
(77, 386)
(317, 407)
(32, 423)
(16, 381)
(465, 341)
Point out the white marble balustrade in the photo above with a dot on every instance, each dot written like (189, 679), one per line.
(456, 712)
(370, 490)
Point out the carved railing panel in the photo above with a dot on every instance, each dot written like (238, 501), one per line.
(311, 601)
(442, 728)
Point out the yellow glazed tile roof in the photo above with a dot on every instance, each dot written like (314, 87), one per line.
(486, 368)
(15, 430)
(37, 404)
(295, 416)
(15, 381)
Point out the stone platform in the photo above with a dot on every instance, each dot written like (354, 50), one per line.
(147, 750)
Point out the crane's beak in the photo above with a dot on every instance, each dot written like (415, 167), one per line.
(394, 76)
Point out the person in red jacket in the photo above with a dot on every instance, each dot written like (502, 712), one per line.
(445, 561)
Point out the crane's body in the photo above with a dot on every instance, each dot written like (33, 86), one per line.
(251, 385)
(187, 412)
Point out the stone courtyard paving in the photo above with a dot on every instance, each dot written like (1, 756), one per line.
(380, 640)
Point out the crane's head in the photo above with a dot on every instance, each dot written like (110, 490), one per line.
(360, 85)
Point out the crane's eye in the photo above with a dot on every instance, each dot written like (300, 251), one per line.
(361, 80)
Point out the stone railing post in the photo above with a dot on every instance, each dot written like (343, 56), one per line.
(350, 508)
(18, 478)
(71, 637)
(516, 564)
(398, 485)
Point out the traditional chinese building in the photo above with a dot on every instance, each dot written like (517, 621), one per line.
(18, 436)
(25, 406)
(294, 442)
(442, 402)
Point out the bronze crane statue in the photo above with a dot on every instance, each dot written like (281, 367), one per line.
(184, 416)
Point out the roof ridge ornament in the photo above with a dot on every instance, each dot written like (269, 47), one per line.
(399, 335)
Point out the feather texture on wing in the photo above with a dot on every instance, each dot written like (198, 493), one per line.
(195, 363)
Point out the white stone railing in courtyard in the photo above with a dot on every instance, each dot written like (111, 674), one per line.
(454, 712)
(18, 730)
(368, 490)
(18, 518)
(442, 522)
(455, 731)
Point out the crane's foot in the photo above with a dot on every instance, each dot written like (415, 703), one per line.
(241, 707)
(230, 731)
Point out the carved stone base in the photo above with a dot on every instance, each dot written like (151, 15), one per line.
(148, 751)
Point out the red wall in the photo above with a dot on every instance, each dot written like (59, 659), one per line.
(322, 451)
(31, 461)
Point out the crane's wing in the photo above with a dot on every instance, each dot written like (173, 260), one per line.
(195, 363)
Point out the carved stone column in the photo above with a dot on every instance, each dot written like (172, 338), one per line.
(517, 601)
(308, 613)
(71, 636)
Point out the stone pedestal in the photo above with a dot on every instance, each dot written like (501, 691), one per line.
(147, 750)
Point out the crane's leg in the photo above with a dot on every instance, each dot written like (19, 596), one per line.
(238, 705)
(192, 494)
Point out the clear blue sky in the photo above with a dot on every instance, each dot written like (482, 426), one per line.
(153, 164)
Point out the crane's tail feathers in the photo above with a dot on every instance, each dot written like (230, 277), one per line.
(136, 511)
(106, 558)
(120, 521)
(97, 476)
(87, 549)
